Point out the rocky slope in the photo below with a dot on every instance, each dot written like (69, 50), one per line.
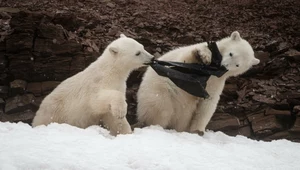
(44, 42)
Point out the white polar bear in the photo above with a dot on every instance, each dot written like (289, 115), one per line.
(161, 102)
(97, 94)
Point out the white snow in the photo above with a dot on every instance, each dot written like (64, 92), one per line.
(152, 148)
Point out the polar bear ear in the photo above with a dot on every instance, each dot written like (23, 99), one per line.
(113, 50)
(255, 61)
(122, 35)
(235, 36)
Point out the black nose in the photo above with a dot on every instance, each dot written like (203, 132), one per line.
(237, 65)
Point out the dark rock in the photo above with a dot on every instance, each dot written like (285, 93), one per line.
(24, 55)
(272, 46)
(68, 20)
(289, 95)
(296, 109)
(282, 47)
(230, 91)
(111, 5)
(2, 104)
(2, 46)
(19, 42)
(48, 86)
(292, 54)
(4, 15)
(264, 99)
(4, 91)
(49, 47)
(3, 62)
(264, 57)
(77, 65)
(224, 122)
(55, 33)
(264, 125)
(24, 116)
(35, 88)
(279, 135)
(189, 39)
(21, 69)
(296, 128)
(245, 131)
(17, 87)
(277, 112)
(89, 59)
(20, 103)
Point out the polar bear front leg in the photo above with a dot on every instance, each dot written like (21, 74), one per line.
(202, 54)
(110, 101)
(203, 114)
(115, 125)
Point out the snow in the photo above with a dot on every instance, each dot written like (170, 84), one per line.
(61, 146)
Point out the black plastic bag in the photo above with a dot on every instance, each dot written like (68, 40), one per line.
(192, 77)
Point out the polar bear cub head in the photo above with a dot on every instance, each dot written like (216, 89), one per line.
(238, 55)
(129, 52)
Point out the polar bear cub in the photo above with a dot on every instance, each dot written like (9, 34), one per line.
(96, 95)
(161, 102)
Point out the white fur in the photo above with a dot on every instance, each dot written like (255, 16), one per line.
(161, 102)
(97, 94)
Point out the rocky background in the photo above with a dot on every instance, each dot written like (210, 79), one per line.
(44, 42)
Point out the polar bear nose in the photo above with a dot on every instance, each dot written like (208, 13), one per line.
(237, 65)
(152, 59)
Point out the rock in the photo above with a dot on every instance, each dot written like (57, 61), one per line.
(296, 109)
(262, 56)
(17, 87)
(52, 32)
(68, 20)
(111, 5)
(68, 48)
(224, 122)
(289, 95)
(277, 112)
(296, 128)
(35, 88)
(292, 54)
(4, 91)
(264, 125)
(21, 69)
(245, 131)
(77, 65)
(24, 116)
(282, 47)
(264, 99)
(19, 42)
(3, 62)
(48, 86)
(188, 39)
(2, 104)
(272, 46)
(20, 103)
(279, 135)
(230, 90)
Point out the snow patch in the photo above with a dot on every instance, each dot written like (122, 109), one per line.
(61, 146)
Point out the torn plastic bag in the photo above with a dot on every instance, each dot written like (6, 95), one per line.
(191, 77)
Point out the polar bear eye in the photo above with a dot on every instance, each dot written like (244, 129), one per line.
(138, 53)
(230, 54)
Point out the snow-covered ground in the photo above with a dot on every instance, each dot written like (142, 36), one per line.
(67, 147)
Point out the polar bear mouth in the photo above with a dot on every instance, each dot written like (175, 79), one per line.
(152, 61)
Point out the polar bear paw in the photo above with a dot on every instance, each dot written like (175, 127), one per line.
(203, 55)
(199, 132)
(119, 109)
